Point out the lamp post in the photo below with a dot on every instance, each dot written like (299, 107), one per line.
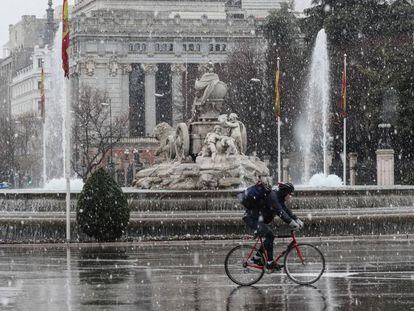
(126, 167)
(111, 166)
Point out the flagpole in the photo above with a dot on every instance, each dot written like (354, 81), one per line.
(278, 151)
(43, 116)
(344, 172)
(279, 178)
(67, 157)
(65, 66)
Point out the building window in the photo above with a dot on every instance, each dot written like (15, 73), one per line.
(144, 47)
(217, 47)
(131, 47)
(198, 47)
(224, 47)
(211, 48)
(137, 47)
(39, 62)
(171, 47)
(184, 47)
(157, 47)
(191, 47)
(39, 85)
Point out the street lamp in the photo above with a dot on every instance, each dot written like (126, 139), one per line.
(110, 134)
(126, 167)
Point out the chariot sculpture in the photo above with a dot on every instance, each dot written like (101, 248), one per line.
(188, 139)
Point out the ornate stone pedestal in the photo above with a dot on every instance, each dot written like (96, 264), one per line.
(385, 167)
(224, 172)
(352, 170)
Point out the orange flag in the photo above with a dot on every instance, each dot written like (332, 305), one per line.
(343, 91)
(65, 38)
(277, 91)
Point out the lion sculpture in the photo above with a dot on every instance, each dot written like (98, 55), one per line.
(164, 133)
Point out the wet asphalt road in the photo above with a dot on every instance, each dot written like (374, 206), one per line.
(362, 274)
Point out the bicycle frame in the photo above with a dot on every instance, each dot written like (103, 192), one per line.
(293, 243)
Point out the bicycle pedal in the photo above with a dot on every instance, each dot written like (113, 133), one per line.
(275, 268)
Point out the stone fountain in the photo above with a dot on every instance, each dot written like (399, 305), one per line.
(208, 151)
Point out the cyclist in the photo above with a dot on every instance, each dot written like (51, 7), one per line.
(267, 204)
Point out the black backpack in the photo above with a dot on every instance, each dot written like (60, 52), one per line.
(254, 195)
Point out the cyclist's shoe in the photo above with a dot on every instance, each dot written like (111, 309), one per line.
(255, 260)
(272, 266)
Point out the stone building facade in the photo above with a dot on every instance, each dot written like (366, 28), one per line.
(24, 37)
(6, 73)
(25, 86)
(27, 33)
(144, 52)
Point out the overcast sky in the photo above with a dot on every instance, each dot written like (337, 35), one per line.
(12, 10)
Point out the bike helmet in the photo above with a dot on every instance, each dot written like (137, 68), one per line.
(286, 187)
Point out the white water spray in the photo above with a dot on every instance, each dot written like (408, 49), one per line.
(54, 107)
(54, 136)
(314, 128)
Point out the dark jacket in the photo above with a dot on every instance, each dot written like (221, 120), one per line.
(272, 206)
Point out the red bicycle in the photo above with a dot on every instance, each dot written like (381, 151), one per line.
(303, 263)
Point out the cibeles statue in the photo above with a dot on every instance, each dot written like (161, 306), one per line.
(206, 152)
(210, 92)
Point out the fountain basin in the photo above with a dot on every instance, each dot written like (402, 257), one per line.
(35, 216)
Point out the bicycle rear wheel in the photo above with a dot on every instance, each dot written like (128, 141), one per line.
(304, 264)
(239, 268)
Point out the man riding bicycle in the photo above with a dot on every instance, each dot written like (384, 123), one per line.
(262, 205)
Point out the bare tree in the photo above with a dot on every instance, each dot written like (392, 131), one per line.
(8, 138)
(94, 133)
(20, 148)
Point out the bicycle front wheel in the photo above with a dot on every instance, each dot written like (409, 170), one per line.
(304, 264)
(239, 268)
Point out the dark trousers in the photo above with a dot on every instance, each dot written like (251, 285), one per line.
(263, 230)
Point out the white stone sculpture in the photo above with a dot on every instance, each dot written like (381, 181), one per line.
(235, 130)
(164, 133)
(210, 143)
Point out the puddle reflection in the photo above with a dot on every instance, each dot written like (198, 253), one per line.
(300, 297)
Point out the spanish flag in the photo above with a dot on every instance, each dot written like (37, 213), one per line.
(343, 91)
(65, 38)
(42, 95)
(277, 90)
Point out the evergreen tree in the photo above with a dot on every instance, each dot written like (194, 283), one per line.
(102, 210)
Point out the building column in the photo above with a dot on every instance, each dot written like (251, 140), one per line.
(126, 71)
(177, 95)
(385, 167)
(150, 108)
